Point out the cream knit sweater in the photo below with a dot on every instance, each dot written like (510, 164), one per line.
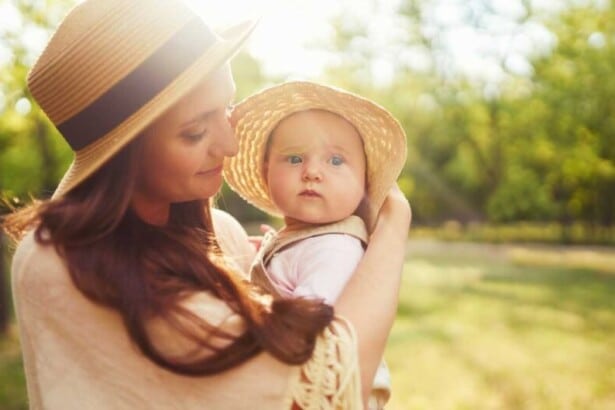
(77, 355)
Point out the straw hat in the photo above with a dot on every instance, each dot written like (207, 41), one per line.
(384, 140)
(114, 66)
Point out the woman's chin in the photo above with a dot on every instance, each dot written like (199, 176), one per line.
(210, 191)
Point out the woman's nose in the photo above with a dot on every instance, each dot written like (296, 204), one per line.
(225, 144)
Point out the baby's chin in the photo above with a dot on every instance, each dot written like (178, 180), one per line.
(312, 219)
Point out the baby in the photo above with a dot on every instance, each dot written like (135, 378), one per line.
(323, 159)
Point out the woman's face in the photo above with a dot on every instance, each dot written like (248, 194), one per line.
(184, 149)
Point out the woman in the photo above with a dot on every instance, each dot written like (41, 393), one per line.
(129, 282)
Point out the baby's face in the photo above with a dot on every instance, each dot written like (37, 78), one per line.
(315, 167)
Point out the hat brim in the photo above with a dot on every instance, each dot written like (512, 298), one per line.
(384, 139)
(93, 156)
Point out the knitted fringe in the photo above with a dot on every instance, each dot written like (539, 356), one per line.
(330, 380)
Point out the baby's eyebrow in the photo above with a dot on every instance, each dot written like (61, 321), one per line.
(339, 148)
(292, 149)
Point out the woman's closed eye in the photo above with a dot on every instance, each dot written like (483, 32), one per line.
(193, 136)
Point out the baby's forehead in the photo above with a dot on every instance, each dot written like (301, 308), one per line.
(317, 115)
(308, 124)
(316, 133)
(298, 146)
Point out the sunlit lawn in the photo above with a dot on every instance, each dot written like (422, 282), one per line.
(12, 382)
(501, 327)
(483, 327)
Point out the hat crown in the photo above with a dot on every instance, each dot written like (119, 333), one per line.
(81, 18)
(112, 67)
(98, 43)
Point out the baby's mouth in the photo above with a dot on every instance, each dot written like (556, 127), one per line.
(309, 193)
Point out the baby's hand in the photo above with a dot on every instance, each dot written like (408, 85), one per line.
(257, 240)
(395, 214)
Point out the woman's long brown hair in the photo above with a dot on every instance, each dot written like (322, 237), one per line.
(144, 271)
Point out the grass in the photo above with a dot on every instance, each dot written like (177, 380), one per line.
(520, 232)
(498, 327)
(482, 326)
(12, 380)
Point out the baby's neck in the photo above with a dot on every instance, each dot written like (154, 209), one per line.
(291, 224)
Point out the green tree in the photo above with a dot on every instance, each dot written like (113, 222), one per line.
(4, 293)
(31, 158)
(535, 146)
(577, 82)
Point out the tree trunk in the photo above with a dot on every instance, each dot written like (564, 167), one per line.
(49, 162)
(4, 294)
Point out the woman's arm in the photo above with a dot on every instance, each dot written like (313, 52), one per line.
(369, 300)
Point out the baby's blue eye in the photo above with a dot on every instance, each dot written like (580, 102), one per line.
(337, 160)
(294, 159)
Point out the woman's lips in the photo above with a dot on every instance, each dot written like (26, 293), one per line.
(209, 172)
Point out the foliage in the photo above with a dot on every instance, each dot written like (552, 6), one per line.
(537, 146)
(576, 82)
(32, 157)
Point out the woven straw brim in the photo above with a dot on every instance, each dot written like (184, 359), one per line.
(384, 139)
(93, 156)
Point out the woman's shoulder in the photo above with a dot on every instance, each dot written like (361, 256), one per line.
(36, 265)
(30, 251)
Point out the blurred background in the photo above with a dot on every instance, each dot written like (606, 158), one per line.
(509, 108)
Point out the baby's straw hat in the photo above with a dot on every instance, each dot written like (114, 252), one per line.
(113, 66)
(384, 140)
